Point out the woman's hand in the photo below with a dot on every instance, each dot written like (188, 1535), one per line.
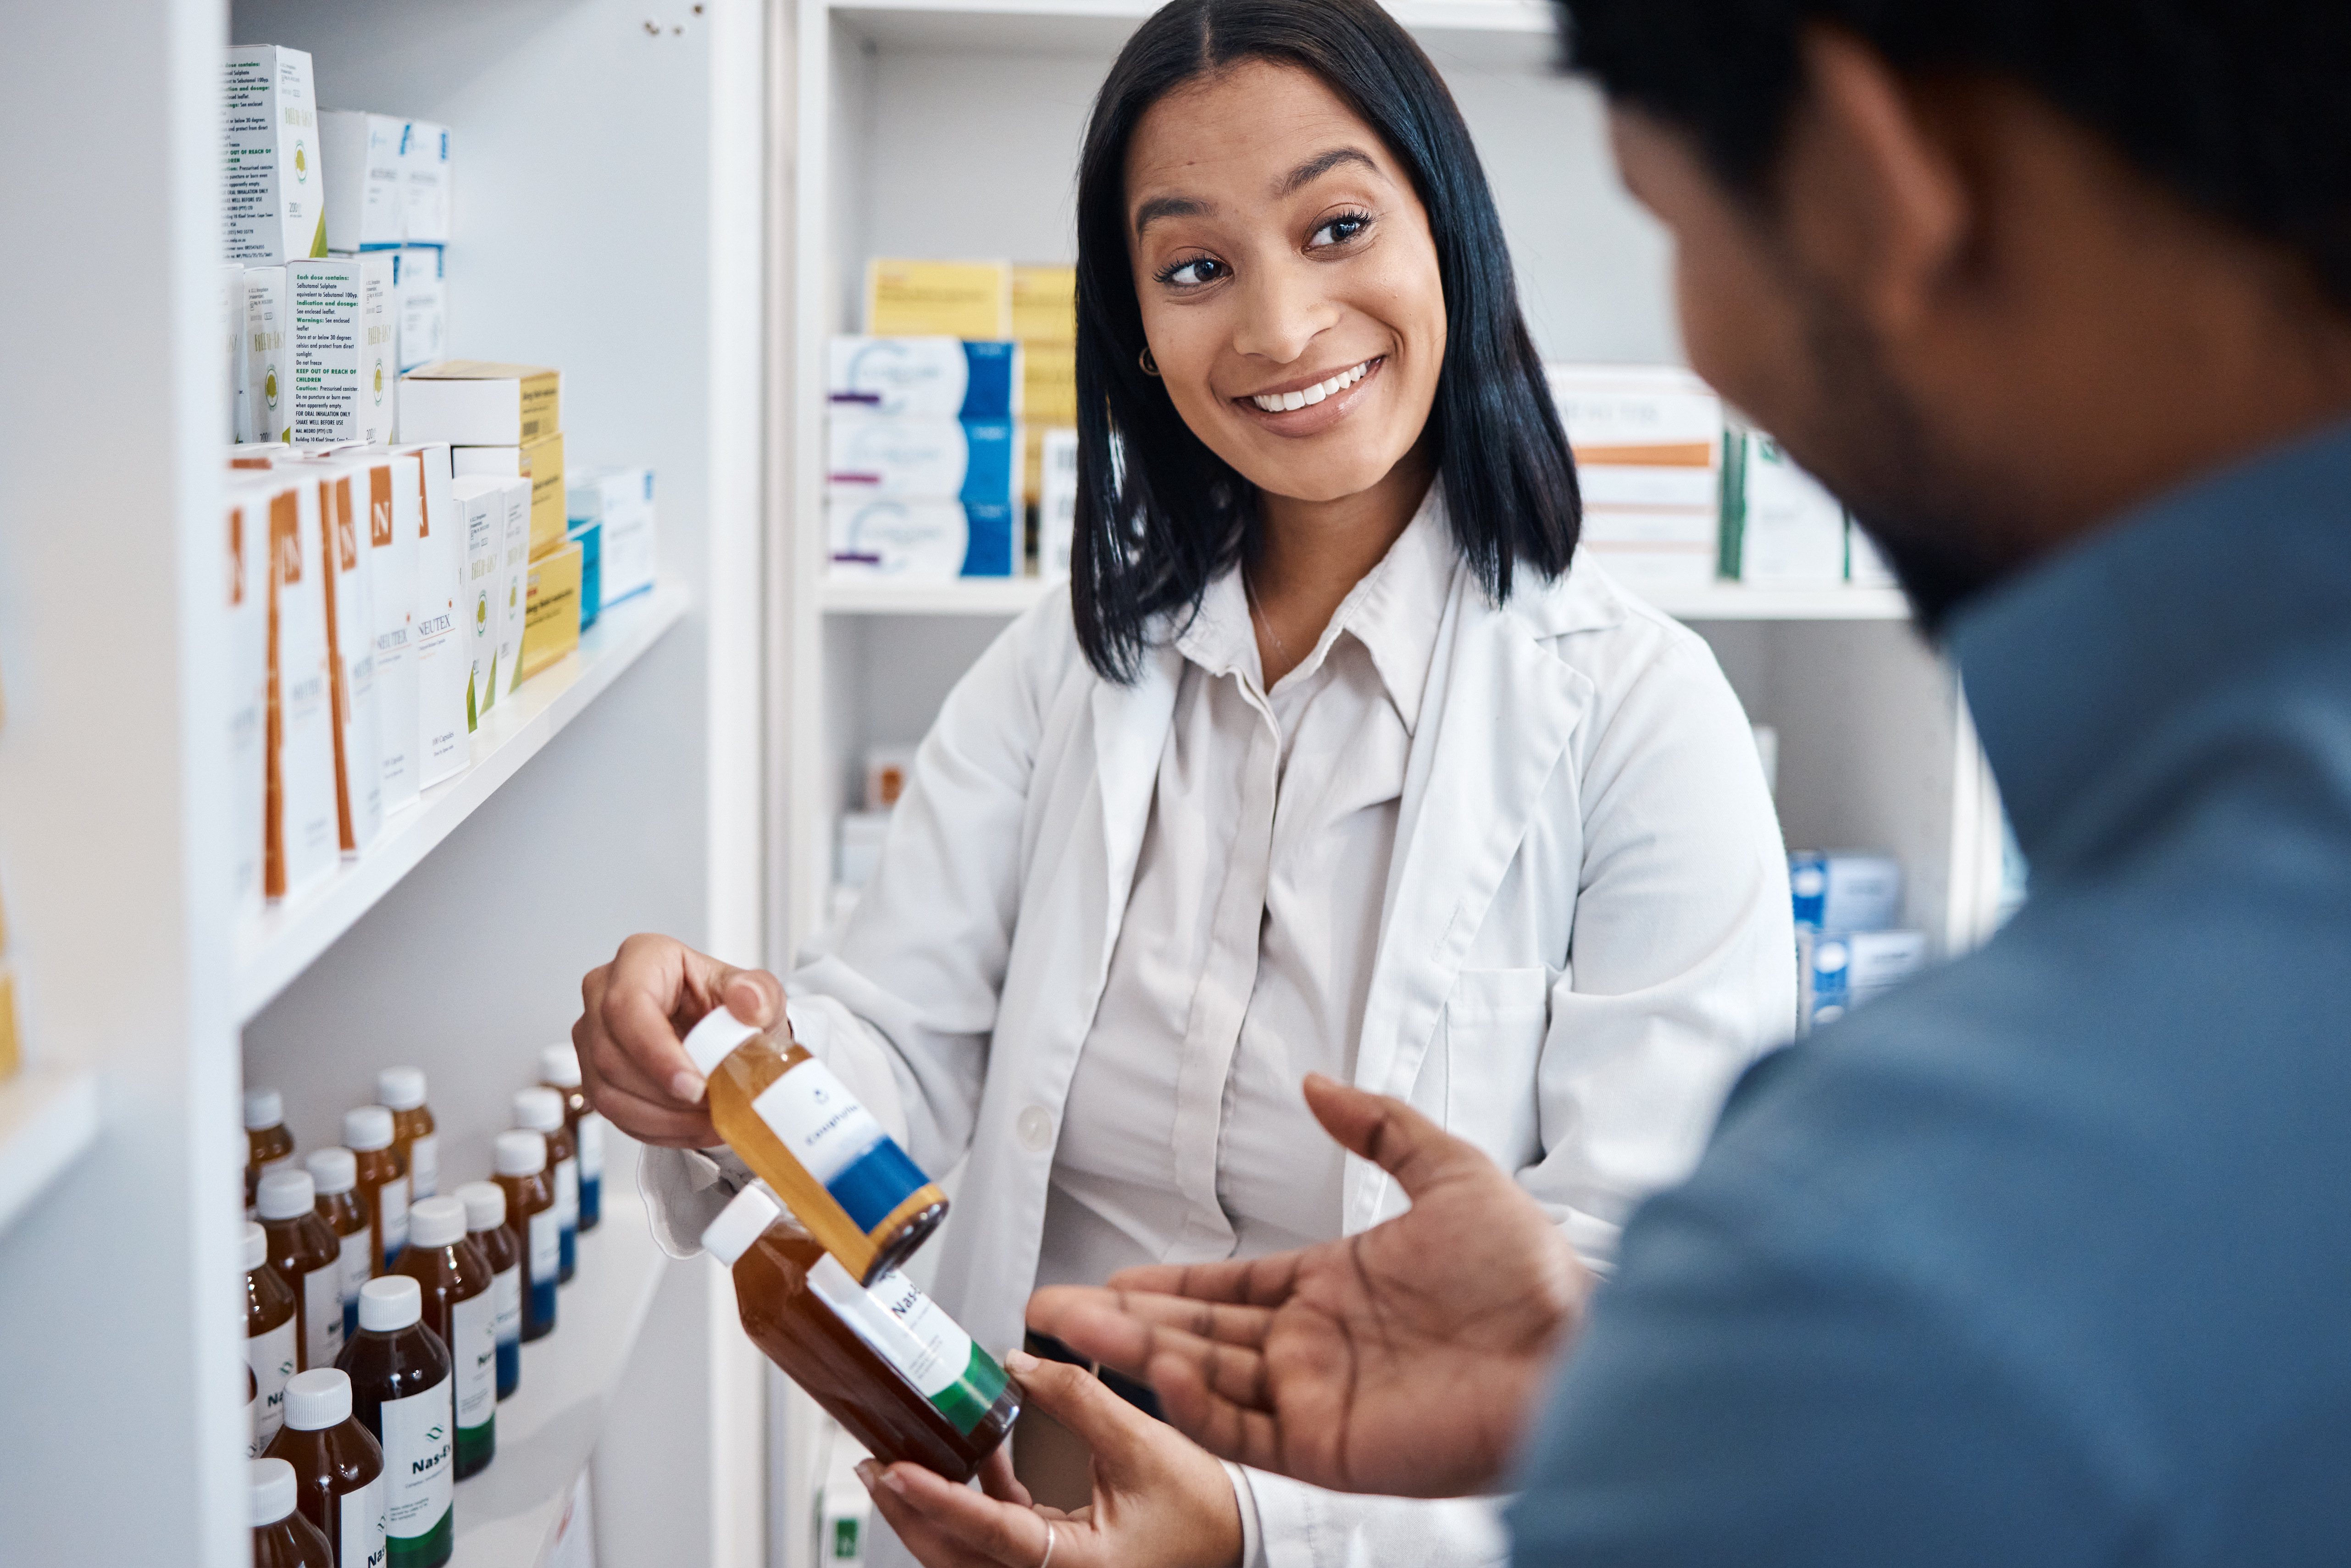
(637, 1010)
(1159, 1500)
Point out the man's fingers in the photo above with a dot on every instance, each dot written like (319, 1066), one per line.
(1391, 1134)
(1124, 1329)
(1218, 1423)
(1257, 1281)
(979, 1527)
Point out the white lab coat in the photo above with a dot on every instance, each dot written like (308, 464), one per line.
(1585, 937)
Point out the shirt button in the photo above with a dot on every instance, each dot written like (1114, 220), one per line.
(1035, 1129)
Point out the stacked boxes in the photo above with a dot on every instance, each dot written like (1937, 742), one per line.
(274, 202)
(923, 450)
(1847, 949)
(611, 514)
(346, 382)
(1647, 441)
(1780, 529)
(1045, 320)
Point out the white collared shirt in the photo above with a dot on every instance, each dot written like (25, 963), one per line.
(1251, 930)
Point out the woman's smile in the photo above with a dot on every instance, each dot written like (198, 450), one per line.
(1301, 406)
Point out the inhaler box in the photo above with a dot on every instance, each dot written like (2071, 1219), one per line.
(477, 402)
(481, 504)
(302, 844)
(1779, 528)
(618, 503)
(513, 607)
(395, 513)
(1057, 503)
(420, 300)
(345, 388)
(930, 378)
(1841, 970)
(441, 641)
(350, 642)
(542, 463)
(550, 610)
(273, 199)
(1842, 890)
(247, 564)
(972, 461)
(918, 540)
(269, 369)
(366, 179)
(426, 158)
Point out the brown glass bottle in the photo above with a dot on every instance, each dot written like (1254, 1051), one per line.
(282, 1538)
(335, 1173)
(402, 1392)
(455, 1278)
(308, 1257)
(268, 1146)
(400, 1090)
(936, 1398)
(541, 1111)
(558, 1069)
(382, 1184)
(521, 1157)
(272, 1331)
(338, 1473)
(486, 1227)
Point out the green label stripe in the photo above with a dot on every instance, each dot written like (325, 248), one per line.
(429, 1549)
(967, 1401)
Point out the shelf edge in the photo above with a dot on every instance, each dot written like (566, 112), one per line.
(48, 1118)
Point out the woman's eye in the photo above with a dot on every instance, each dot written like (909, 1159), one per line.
(1339, 231)
(1193, 272)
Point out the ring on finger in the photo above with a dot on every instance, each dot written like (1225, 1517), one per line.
(1046, 1560)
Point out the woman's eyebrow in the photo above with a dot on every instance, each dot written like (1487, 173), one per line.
(1321, 163)
(1158, 207)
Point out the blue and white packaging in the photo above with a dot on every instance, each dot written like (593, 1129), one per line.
(590, 538)
(419, 296)
(1843, 969)
(921, 540)
(977, 462)
(927, 378)
(1843, 891)
(359, 160)
(618, 503)
(424, 159)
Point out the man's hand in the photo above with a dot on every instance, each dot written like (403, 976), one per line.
(1158, 1501)
(1405, 1360)
(637, 1010)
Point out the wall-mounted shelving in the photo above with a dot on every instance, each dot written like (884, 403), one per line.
(48, 1116)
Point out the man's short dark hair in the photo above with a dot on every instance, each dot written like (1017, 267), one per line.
(2243, 107)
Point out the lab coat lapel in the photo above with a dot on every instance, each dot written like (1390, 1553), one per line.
(1477, 770)
(1130, 734)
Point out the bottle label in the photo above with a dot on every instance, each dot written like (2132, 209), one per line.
(906, 1329)
(254, 1442)
(473, 1348)
(391, 1204)
(362, 1526)
(591, 1147)
(271, 1355)
(567, 1194)
(545, 1245)
(838, 1142)
(322, 1313)
(419, 1462)
(506, 1310)
(424, 1165)
(355, 1274)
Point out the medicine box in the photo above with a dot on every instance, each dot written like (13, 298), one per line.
(441, 638)
(302, 844)
(1844, 891)
(365, 179)
(477, 402)
(1779, 528)
(550, 610)
(938, 299)
(345, 386)
(619, 503)
(935, 377)
(420, 294)
(395, 516)
(590, 538)
(920, 540)
(481, 507)
(1048, 382)
(228, 345)
(1864, 563)
(1841, 970)
(542, 463)
(347, 561)
(426, 158)
(1647, 443)
(1057, 503)
(513, 582)
(246, 543)
(273, 199)
(1044, 303)
(972, 461)
(268, 406)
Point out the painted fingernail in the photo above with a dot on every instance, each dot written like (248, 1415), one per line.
(1019, 1361)
(688, 1087)
(866, 1472)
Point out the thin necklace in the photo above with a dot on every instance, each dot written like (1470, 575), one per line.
(1258, 609)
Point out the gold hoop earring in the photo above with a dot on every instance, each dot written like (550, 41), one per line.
(1150, 366)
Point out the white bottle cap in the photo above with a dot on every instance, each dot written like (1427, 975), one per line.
(521, 1154)
(367, 1128)
(256, 1246)
(333, 1170)
(540, 1110)
(284, 1195)
(318, 1399)
(740, 1224)
(273, 1491)
(485, 1205)
(393, 1301)
(262, 1108)
(436, 1222)
(402, 1088)
(559, 1065)
(714, 1040)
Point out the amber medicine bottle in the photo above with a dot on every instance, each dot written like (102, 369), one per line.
(401, 1090)
(485, 1226)
(338, 1477)
(335, 1172)
(899, 1374)
(309, 1258)
(382, 1184)
(253, 1443)
(268, 1146)
(541, 1111)
(796, 1126)
(400, 1391)
(281, 1537)
(558, 1069)
(272, 1331)
(521, 1164)
(455, 1278)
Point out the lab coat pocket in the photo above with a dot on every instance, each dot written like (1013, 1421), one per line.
(1495, 1024)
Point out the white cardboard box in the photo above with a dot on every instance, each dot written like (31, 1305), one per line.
(246, 541)
(345, 386)
(350, 639)
(395, 512)
(481, 505)
(1057, 503)
(441, 638)
(268, 370)
(1792, 531)
(272, 199)
(514, 581)
(366, 179)
(620, 502)
(231, 348)
(421, 298)
(477, 402)
(302, 845)
(426, 162)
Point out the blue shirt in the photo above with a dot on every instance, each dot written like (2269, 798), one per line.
(2045, 1258)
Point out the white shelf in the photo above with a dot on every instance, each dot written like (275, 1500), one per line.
(286, 938)
(48, 1117)
(550, 1426)
(1519, 32)
(964, 596)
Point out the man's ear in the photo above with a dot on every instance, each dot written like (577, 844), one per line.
(1872, 200)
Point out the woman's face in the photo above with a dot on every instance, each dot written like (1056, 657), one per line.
(1289, 283)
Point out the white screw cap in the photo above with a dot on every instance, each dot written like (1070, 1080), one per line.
(559, 1065)
(256, 1246)
(367, 1128)
(318, 1399)
(540, 1110)
(436, 1222)
(273, 1491)
(284, 1195)
(740, 1224)
(393, 1301)
(262, 1108)
(400, 1088)
(333, 1170)
(714, 1040)
(485, 1205)
(521, 1153)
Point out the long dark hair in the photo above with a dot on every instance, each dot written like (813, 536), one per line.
(1160, 516)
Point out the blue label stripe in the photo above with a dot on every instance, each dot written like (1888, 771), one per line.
(875, 1182)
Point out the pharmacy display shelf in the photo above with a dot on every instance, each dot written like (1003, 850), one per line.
(286, 938)
(962, 596)
(550, 1426)
(48, 1115)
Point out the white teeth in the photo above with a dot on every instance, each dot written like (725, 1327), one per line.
(1282, 403)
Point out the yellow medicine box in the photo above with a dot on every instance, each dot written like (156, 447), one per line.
(938, 299)
(1044, 303)
(551, 609)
